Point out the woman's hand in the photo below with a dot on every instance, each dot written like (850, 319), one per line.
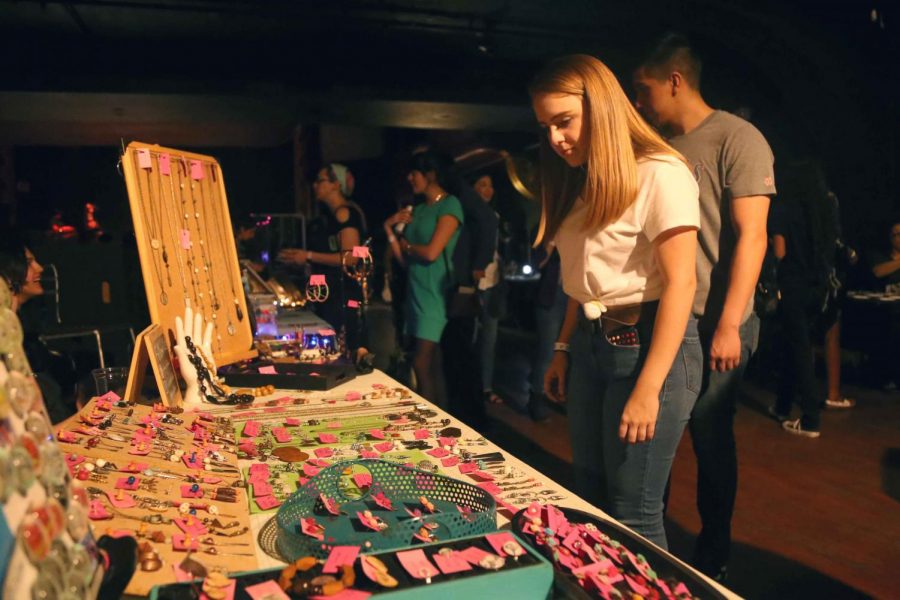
(294, 256)
(401, 216)
(638, 422)
(555, 377)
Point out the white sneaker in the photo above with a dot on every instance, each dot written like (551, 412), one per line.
(794, 427)
(842, 403)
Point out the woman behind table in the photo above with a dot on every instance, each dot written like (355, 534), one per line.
(425, 248)
(622, 207)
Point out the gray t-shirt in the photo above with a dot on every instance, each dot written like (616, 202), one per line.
(730, 159)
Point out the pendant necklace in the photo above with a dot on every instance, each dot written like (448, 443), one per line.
(214, 304)
(171, 223)
(188, 245)
(158, 242)
(163, 297)
(208, 211)
(222, 232)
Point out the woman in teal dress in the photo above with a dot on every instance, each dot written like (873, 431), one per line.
(425, 248)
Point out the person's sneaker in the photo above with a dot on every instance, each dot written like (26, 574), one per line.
(538, 409)
(773, 412)
(795, 428)
(841, 403)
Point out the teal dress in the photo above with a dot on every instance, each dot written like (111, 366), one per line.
(426, 308)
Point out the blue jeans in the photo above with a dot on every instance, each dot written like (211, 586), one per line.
(548, 321)
(600, 382)
(487, 340)
(712, 432)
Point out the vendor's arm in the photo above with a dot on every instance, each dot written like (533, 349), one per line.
(887, 268)
(348, 236)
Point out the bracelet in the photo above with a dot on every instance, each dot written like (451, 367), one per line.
(309, 256)
(561, 347)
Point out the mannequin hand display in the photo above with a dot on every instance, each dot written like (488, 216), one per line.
(638, 422)
(555, 377)
(202, 340)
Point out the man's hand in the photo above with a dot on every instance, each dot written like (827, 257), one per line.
(725, 349)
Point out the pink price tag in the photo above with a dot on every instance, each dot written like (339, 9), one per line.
(310, 470)
(268, 370)
(317, 279)
(417, 564)
(261, 488)
(421, 434)
(191, 525)
(474, 555)
(352, 304)
(251, 428)
(328, 438)
(165, 164)
(267, 502)
(120, 499)
(184, 236)
(267, 590)
(384, 447)
(324, 452)
(361, 252)
(143, 159)
(377, 434)
(450, 564)
(450, 461)
(438, 453)
(340, 556)
(196, 170)
(128, 483)
(180, 542)
(188, 491)
(466, 468)
(362, 480)
(496, 540)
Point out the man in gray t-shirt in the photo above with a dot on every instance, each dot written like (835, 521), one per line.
(734, 169)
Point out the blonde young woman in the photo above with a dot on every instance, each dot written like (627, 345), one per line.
(622, 208)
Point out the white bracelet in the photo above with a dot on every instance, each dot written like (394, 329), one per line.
(561, 347)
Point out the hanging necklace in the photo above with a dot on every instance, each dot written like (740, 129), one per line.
(159, 241)
(188, 244)
(163, 297)
(207, 211)
(171, 223)
(214, 304)
(223, 231)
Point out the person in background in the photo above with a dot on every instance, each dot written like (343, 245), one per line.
(428, 238)
(491, 295)
(248, 245)
(734, 167)
(21, 272)
(340, 230)
(622, 206)
(886, 267)
(549, 311)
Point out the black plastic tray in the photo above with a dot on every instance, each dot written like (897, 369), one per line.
(565, 584)
(292, 376)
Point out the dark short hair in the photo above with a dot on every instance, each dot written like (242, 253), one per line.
(673, 52)
(441, 164)
(13, 263)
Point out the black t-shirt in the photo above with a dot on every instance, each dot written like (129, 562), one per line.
(879, 258)
(800, 265)
(324, 236)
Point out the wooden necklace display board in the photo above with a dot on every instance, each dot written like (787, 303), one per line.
(187, 250)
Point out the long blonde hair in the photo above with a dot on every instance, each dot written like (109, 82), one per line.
(617, 137)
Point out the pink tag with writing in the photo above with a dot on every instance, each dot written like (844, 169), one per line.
(324, 452)
(262, 488)
(438, 453)
(184, 236)
(352, 304)
(496, 540)
(451, 563)
(317, 279)
(267, 590)
(191, 525)
(328, 438)
(351, 396)
(120, 499)
(310, 470)
(267, 502)
(362, 480)
(377, 434)
(482, 475)
(191, 461)
(143, 158)
(384, 447)
(189, 491)
(291, 422)
(180, 542)
(451, 461)
(251, 428)
(340, 556)
(196, 170)
(466, 468)
(361, 252)
(165, 164)
(417, 564)
(128, 483)
(258, 478)
(421, 434)
(268, 370)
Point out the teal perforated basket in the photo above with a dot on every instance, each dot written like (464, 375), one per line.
(462, 509)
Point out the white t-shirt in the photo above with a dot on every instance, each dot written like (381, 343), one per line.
(616, 265)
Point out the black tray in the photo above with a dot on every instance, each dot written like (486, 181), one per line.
(565, 585)
(292, 376)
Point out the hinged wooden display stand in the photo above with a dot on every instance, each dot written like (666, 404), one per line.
(188, 257)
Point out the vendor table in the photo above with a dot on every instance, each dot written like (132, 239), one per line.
(333, 423)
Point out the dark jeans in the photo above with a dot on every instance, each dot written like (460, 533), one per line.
(798, 312)
(462, 371)
(712, 432)
(600, 382)
(548, 321)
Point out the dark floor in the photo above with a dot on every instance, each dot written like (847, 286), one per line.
(814, 518)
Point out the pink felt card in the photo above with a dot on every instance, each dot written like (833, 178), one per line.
(259, 468)
(450, 461)
(450, 564)
(268, 370)
(324, 452)
(361, 252)
(318, 462)
(211, 480)
(383, 501)
(98, 512)
(291, 422)
(267, 590)
(339, 556)
(362, 480)
(191, 525)
(417, 564)
(128, 483)
(491, 488)
(267, 502)
(120, 499)
(352, 396)
(262, 488)
(184, 238)
(368, 454)
(251, 428)
(180, 541)
(165, 164)
(317, 279)
(281, 435)
(466, 468)
(438, 453)
(310, 470)
(140, 449)
(192, 461)
(384, 447)
(196, 170)
(134, 467)
(421, 434)
(473, 555)
(496, 540)
(447, 441)
(143, 158)
(482, 475)
(66, 436)
(377, 434)
(328, 438)
(189, 491)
